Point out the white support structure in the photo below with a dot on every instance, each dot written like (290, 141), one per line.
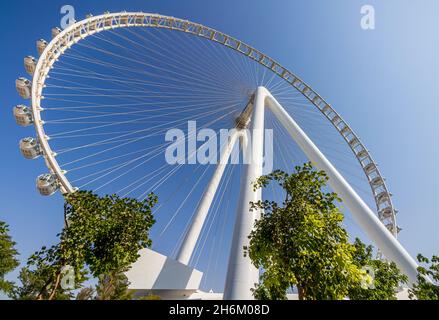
(241, 274)
(362, 214)
(154, 273)
(192, 235)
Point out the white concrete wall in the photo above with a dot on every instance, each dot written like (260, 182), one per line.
(154, 271)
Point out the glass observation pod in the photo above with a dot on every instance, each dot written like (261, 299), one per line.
(108, 21)
(363, 154)
(41, 45)
(30, 63)
(47, 184)
(391, 228)
(23, 115)
(78, 32)
(382, 197)
(56, 31)
(377, 181)
(386, 213)
(93, 24)
(30, 148)
(124, 19)
(371, 167)
(24, 87)
(140, 19)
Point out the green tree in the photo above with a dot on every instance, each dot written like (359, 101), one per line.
(385, 279)
(113, 286)
(302, 242)
(109, 230)
(35, 284)
(86, 293)
(102, 238)
(427, 286)
(43, 274)
(8, 257)
(274, 283)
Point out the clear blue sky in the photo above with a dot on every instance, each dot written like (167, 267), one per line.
(384, 82)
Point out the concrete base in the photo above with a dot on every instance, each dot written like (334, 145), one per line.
(154, 272)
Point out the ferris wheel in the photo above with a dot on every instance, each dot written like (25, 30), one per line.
(106, 91)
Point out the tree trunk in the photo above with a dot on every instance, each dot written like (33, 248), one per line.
(301, 292)
(40, 294)
(55, 287)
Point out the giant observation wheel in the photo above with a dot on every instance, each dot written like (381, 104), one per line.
(208, 75)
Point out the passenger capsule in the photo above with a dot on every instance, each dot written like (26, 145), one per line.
(369, 168)
(124, 20)
(362, 154)
(78, 32)
(92, 24)
(390, 227)
(377, 181)
(326, 109)
(385, 213)
(140, 19)
(30, 148)
(30, 63)
(23, 115)
(336, 120)
(382, 197)
(354, 142)
(24, 87)
(316, 100)
(305, 90)
(56, 31)
(41, 45)
(47, 184)
(108, 21)
(345, 130)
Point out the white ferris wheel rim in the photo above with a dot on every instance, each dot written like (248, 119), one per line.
(96, 24)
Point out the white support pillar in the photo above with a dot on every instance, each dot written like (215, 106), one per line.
(241, 274)
(362, 214)
(191, 237)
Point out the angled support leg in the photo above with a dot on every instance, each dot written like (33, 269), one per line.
(362, 214)
(191, 237)
(241, 274)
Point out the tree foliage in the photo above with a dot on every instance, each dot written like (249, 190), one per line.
(107, 232)
(302, 241)
(86, 293)
(102, 238)
(427, 285)
(36, 283)
(8, 257)
(113, 286)
(384, 281)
